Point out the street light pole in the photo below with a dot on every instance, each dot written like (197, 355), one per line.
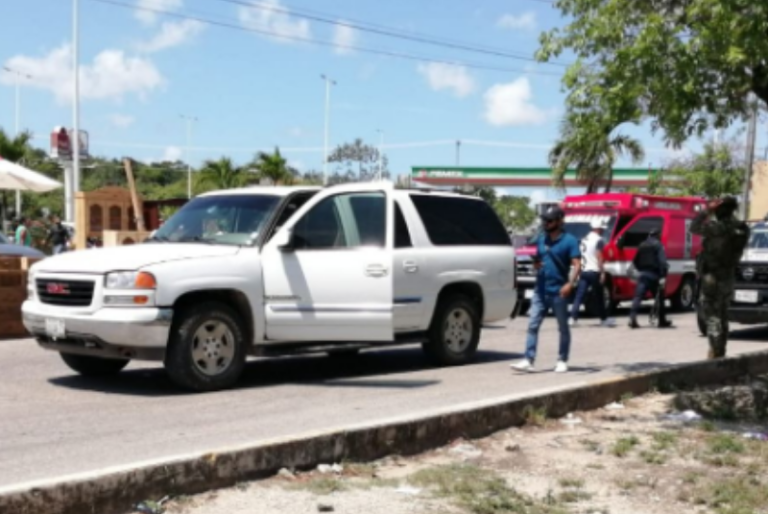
(75, 182)
(190, 120)
(328, 83)
(17, 110)
(381, 153)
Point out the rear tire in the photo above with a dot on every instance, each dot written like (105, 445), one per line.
(207, 348)
(94, 366)
(455, 332)
(591, 304)
(684, 298)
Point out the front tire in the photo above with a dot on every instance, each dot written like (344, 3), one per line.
(207, 349)
(455, 332)
(94, 366)
(684, 298)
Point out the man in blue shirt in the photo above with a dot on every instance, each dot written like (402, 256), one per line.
(558, 261)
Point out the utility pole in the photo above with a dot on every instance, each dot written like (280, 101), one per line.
(17, 110)
(328, 83)
(187, 153)
(749, 160)
(75, 181)
(381, 153)
(458, 153)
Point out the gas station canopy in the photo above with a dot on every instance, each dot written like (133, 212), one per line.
(536, 177)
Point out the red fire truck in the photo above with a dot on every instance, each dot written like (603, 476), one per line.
(629, 219)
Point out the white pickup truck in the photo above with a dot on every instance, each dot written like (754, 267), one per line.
(267, 270)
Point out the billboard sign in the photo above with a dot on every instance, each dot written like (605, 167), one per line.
(62, 144)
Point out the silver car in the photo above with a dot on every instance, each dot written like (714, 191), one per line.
(9, 248)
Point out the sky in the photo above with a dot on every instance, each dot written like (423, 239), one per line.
(253, 79)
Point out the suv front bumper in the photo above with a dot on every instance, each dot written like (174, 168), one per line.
(755, 315)
(128, 332)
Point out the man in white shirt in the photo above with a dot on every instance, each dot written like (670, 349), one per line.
(592, 274)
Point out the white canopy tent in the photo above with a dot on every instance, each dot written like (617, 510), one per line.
(18, 178)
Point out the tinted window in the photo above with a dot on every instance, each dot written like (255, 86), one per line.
(294, 204)
(639, 230)
(343, 221)
(454, 221)
(402, 234)
(580, 225)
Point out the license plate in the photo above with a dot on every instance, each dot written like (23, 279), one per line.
(528, 294)
(746, 296)
(55, 328)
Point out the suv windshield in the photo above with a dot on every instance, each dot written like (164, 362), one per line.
(220, 219)
(579, 225)
(758, 240)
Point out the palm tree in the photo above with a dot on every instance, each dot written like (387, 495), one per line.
(13, 149)
(274, 167)
(223, 174)
(590, 148)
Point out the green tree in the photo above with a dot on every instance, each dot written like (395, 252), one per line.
(515, 212)
(589, 145)
(357, 161)
(715, 172)
(12, 149)
(274, 167)
(222, 174)
(687, 65)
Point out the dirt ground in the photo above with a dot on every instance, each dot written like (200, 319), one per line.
(632, 458)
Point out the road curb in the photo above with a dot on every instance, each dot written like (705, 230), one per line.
(113, 491)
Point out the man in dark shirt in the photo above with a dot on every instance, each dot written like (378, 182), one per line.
(558, 261)
(58, 236)
(651, 262)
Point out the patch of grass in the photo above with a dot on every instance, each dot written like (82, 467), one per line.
(573, 496)
(571, 483)
(707, 426)
(728, 460)
(479, 491)
(626, 485)
(721, 444)
(626, 397)
(623, 446)
(653, 457)
(590, 445)
(664, 440)
(357, 469)
(321, 486)
(692, 477)
(595, 465)
(738, 495)
(535, 416)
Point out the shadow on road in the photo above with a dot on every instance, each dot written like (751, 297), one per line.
(757, 334)
(367, 370)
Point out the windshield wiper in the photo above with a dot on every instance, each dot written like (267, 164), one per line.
(157, 239)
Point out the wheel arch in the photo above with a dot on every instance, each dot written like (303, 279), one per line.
(233, 298)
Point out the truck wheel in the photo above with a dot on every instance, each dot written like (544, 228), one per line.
(94, 366)
(683, 300)
(590, 306)
(455, 331)
(207, 348)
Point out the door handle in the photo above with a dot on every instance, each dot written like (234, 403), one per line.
(376, 271)
(410, 267)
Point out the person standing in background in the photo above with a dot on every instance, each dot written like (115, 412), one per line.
(651, 261)
(23, 235)
(58, 236)
(592, 274)
(724, 240)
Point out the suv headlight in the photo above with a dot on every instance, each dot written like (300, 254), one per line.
(30, 285)
(130, 280)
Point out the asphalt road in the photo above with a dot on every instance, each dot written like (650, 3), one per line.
(54, 423)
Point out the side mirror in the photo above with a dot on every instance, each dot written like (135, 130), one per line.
(284, 240)
(620, 243)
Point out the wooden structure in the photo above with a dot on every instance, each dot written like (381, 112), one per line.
(13, 292)
(123, 237)
(108, 208)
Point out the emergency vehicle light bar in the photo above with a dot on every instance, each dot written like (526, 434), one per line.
(593, 204)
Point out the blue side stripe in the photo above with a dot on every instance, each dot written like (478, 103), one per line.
(407, 300)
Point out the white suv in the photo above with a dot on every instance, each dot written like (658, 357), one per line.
(270, 270)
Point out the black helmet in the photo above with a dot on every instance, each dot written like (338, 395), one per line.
(727, 207)
(554, 213)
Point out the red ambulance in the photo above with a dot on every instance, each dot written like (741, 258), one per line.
(629, 219)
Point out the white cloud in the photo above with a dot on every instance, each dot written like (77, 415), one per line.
(447, 76)
(172, 154)
(111, 76)
(274, 18)
(172, 33)
(525, 21)
(122, 120)
(539, 195)
(344, 37)
(510, 104)
(149, 17)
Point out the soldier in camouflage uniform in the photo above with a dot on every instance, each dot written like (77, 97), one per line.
(724, 240)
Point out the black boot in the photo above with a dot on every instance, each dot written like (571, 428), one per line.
(633, 324)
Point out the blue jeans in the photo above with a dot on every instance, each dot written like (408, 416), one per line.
(647, 282)
(589, 279)
(539, 307)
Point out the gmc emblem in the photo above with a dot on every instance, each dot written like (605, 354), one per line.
(56, 288)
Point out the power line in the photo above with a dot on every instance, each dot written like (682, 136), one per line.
(385, 31)
(387, 53)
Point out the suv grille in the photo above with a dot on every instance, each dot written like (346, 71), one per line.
(525, 268)
(70, 293)
(752, 273)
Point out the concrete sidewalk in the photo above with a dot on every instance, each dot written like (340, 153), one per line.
(55, 423)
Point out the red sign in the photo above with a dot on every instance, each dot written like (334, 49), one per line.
(61, 145)
(60, 289)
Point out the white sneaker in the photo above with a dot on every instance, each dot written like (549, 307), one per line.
(523, 365)
(561, 367)
(609, 323)
(572, 322)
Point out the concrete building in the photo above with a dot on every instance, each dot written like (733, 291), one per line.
(758, 205)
